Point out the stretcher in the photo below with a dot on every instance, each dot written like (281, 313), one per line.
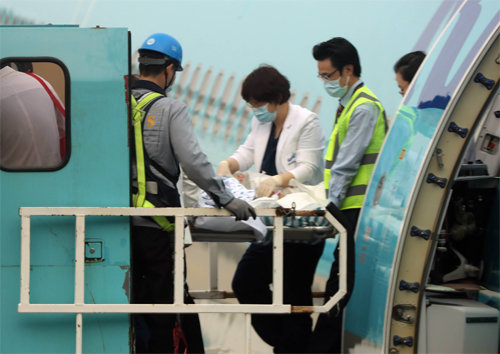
(304, 234)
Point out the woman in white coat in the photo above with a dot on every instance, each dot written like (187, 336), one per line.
(285, 142)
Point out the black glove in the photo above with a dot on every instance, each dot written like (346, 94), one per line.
(241, 209)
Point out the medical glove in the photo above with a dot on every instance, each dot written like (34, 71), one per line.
(267, 186)
(241, 209)
(223, 169)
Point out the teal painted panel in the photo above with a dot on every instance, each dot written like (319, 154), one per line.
(97, 174)
(40, 26)
(55, 333)
(414, 129)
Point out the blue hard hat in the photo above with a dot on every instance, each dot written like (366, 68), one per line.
(165, 44)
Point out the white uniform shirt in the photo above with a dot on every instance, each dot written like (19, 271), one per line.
(29, 135)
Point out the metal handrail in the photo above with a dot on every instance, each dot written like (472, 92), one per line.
(79, 307)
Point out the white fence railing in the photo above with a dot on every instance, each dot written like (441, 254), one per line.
(79, 306)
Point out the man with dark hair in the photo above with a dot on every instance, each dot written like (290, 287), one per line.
(358, 134)
(165, 141)
(406, 68)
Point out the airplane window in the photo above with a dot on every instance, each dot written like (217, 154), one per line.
(34, 114)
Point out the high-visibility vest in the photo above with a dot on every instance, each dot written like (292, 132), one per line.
(139, 198)
(357, 189)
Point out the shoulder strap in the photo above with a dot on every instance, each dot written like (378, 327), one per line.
(142, 109)
(59, 107)
(138, 114)
(139, 109)
(58, 104)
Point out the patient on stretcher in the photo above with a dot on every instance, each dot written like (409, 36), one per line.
(298, 197)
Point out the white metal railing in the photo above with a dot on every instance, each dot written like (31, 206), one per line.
(79, 307)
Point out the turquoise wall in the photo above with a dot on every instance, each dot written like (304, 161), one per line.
(97, 174)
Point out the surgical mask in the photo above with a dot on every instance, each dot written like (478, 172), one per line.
(263, 115)
(333, 88)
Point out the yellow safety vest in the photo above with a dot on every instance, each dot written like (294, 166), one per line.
(356, 192)
(139, 198)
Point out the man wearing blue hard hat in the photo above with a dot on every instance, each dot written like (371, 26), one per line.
(165, 142)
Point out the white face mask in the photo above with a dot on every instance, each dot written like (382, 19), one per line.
(333, 87)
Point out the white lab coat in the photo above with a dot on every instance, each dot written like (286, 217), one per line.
(300, 146)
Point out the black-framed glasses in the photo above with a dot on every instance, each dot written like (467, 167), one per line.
(326, 77)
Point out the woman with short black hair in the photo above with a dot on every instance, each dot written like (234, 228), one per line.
(406, 68)
(286, 140)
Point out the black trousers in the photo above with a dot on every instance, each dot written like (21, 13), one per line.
(286, 333)
(327, 335)
(152, 282)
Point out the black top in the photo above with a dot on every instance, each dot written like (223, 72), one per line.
(269, 161)
(146, 84)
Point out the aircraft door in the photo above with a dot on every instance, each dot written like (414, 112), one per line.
(82, 74)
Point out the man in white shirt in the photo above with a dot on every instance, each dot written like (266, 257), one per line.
(29, 128)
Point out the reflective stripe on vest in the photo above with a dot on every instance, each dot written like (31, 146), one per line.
(139, 198)
(357, 189)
